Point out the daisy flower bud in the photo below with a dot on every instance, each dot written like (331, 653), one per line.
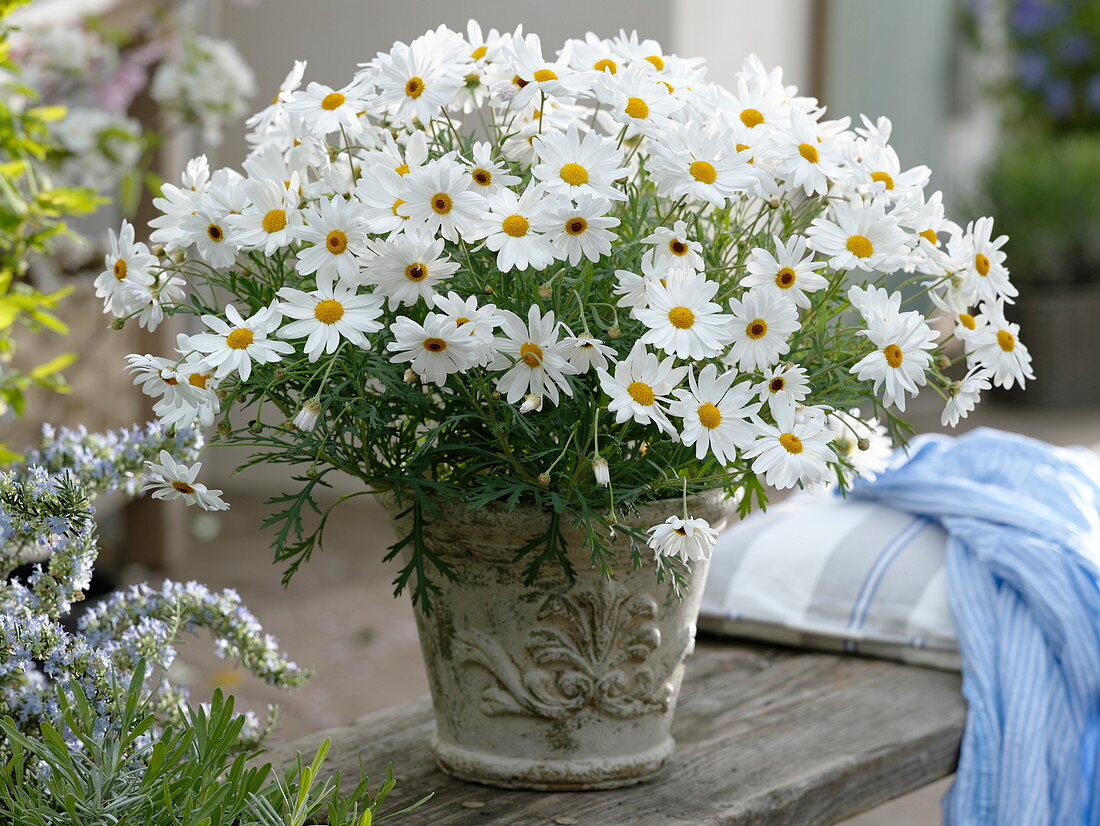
(689, 539)
(614, 331)
(864, 443)
(256, 428)
(531, 402)
(224, 427)
(306, 419)
(279, 374)
(601, 471)
(545, 291)
(544, 479)
(410, 376)
(118, 323)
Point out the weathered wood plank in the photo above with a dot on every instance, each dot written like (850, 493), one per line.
(765, 735)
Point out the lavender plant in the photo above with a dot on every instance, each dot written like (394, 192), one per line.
(46, 511)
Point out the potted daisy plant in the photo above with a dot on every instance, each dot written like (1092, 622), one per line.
(564, 311)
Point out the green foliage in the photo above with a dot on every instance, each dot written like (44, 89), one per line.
(1044, 192)
(32, 213)
(190, 774)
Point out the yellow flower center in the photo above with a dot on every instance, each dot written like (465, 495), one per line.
(415, 87)
(120, 269)
(442, 203)
(574, 174)
(336, 242)
(274, 220)
(981, 264)
(328, 311)
(479, 52)
(703, 171)
(930, 234)
(681, 318)
(894, 356)
(709, 416)
(777, 384)
(482, 177)
(435, 345)
(790, 442)
(757, 328)
(531, 354)
(641, 392)
(416, 271)
(809, 152)
(1006, 340)
(215, 233)
(515, 225)
(860, 246)
(239, 339)
(606, 65)
(576, 226)
(182, 487)
(657, 61)
(518, 81)
(198, 380)
(677, 247)
(543, 75)
(967, 321)
(402, 170)
(752, 117)
(785, 278)
(637, 108)
(169, 380)
(461, 320)
(393, 209)
(883, 178)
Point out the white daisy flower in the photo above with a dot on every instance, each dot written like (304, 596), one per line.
(864, 443)
(876, 305)
(538, 76)
(572, 165)
(261, 122)
(594, 54)
(860, 235)
(489, 175)
(434, 349)
(325, 110)
(762, 324)
(602, 471)
(716, 414)
(996, 346)
(128, 263)
(536, 362)
(407, 268)
(689, 540)
(177, 202)
(794, 449)
(476, 322)
(694, 162)
(207, 227)
(682, 319)
(174, 480)
(148, 300)
(194, 399)
(635, 98)
(640, 387)
(673, 249)
(155, 375)
(585, 352)
(633, 289)
(583, 229)
(900, 360)
(233, 346)
(306, 418)
(413, 83)
(790, 271)
(784, 385)
(633, 51)
(978, 257)
(272, 220)
(964, 395)
(381, 192)
(438, 198)
(328, 315)
(808, 157)
(879, 172)
(336, 239)
(515, 227)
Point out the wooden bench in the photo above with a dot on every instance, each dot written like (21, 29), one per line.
(765, 735)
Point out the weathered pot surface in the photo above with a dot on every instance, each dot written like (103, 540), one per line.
(558, 685)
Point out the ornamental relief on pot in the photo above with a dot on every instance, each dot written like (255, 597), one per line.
(589, 649)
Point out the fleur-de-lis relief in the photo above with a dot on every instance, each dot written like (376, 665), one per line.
(595, 648)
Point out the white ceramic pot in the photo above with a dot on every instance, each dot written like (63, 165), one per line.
(555, 685)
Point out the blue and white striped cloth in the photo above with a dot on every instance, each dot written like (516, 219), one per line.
(1023, 582)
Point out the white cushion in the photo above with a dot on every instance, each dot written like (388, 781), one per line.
(822, 572)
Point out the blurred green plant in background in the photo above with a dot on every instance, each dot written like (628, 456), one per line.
(32, 214)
